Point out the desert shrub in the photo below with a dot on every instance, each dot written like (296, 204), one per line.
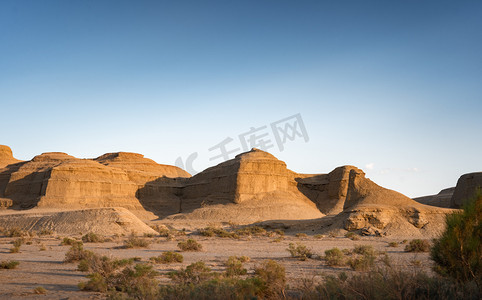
(102, 265)
(136, 242)
(389, 283)
(279, 232)
(352, 236)
(9, 264)
(16, 232)
(211, 231)
(46, 232)
(301, 235)
(168, 257)
(234, 266)
(77, 253)
(40, 290)
(189, 245)
(216, 289)
(137, 281)
(42, 247)
(16, 245)
(92, 238)
(273, 275)
(362, 262)
(193, 274)
(393, 244)
(66, 241)
(363, 249)
(334, 257)
(299, 251)
(418, 245)
(318, 236)
(251, 230)
(458, 252)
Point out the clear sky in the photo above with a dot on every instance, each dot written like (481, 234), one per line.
(393, 87)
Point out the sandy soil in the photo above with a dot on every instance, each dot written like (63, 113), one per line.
(46, 268)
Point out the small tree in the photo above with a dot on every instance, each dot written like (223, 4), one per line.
(458, 252)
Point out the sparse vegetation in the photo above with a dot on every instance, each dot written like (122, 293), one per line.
(219, 232)
(234, 266)
(92, 238)
(134, 241)
(9, 264)
(66, 241)
(42, 247)
(251, 231)
(40, 290)
(16, 245)
(458, 252)
(352, 236)
(77, 253)
(190, 245)
(168, 257)
(300, 251)
(301, 235)
(45, 232)
(195, 273)
(393, 244)
(418, 245)
(334, 257)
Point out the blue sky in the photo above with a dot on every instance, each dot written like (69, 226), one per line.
(393, 87)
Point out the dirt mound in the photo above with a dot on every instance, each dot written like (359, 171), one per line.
(104, 221)
(442, 199)
(466, 187)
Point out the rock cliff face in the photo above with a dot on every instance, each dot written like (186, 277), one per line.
(442, 199)
(58, 180)
(466, 187)
(252, 187)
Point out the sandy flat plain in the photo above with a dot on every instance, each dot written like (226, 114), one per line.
(46, 267)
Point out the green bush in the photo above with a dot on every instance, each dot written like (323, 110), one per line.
(334, 257)
(40, 290)
(418, 245)
(136, 242)
(219, 232)
(189, 245)
(251, 230)
(300, 251)
(77, 253)
(92, 238)
(193, 274)
(352, 236)
(273, 276)
(362, 262)
(393, 244)
(9, 264)
(364, 249)
(66, 241)
(458, 252)
(234, 266)
(168, 257)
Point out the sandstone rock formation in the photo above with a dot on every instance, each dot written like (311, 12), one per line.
(252, 187)
(442, 199)
(6, 156)
(466, 187)
(58, 180)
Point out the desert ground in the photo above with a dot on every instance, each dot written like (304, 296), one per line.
(41, 261)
